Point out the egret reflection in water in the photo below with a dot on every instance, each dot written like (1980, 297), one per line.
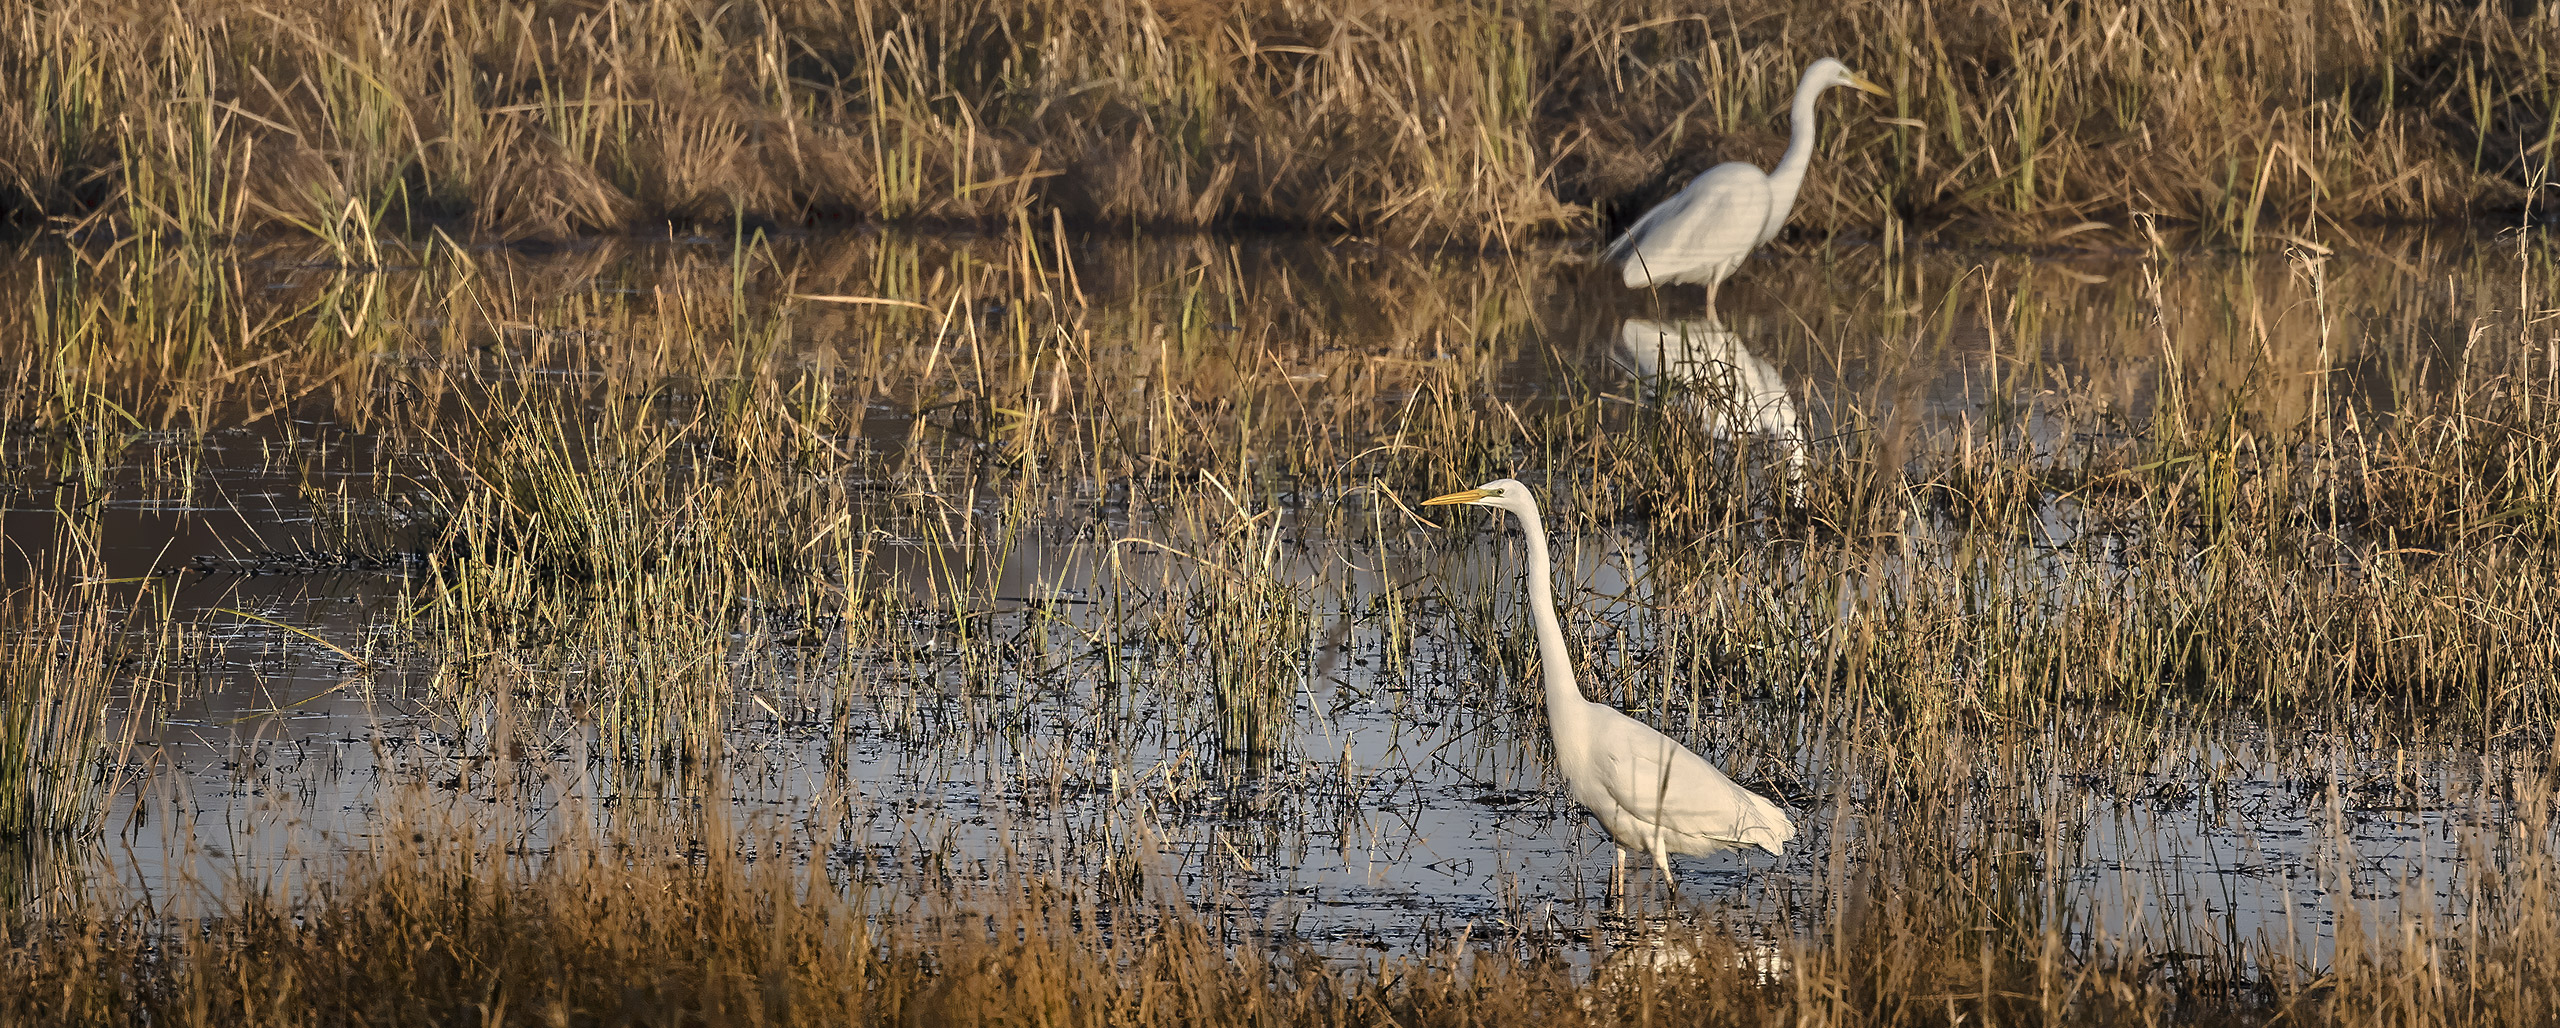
(1698, 366)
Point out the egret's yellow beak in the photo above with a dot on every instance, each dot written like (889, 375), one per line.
(1468, 496)
(1857, 81)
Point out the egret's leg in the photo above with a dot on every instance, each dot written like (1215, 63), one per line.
(1662, 861)
(1618, 880)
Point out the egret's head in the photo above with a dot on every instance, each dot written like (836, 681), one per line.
(1505, 493)
(1829, 72)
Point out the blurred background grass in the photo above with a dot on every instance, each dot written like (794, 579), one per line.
(1415, 121)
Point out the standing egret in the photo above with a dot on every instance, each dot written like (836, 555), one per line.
(1705, 232)
(1649, 792)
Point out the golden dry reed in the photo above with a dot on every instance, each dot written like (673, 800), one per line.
(1474, 121)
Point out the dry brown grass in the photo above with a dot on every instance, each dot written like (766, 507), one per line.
(455, 920)
(1427, 120)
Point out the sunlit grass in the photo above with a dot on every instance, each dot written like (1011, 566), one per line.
(1480, 123)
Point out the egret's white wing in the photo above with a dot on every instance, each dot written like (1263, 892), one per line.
(1700, 235)
(1662, 784)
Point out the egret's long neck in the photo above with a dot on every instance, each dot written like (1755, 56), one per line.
(1789, 174)
(1565, 705)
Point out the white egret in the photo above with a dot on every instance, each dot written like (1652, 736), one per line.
(1703, 366)
(1705, 232)
(1649, 792)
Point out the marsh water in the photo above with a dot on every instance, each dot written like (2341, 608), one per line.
(1030, 681)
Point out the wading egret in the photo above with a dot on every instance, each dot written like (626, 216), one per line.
(1650, 793)
(1700, 365)
(1707, 230)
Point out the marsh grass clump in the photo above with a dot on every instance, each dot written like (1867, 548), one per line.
(621, 558)
(74, 671)
(1255, 627)
(57, 670)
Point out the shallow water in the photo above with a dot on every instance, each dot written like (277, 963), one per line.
(1407, 800)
